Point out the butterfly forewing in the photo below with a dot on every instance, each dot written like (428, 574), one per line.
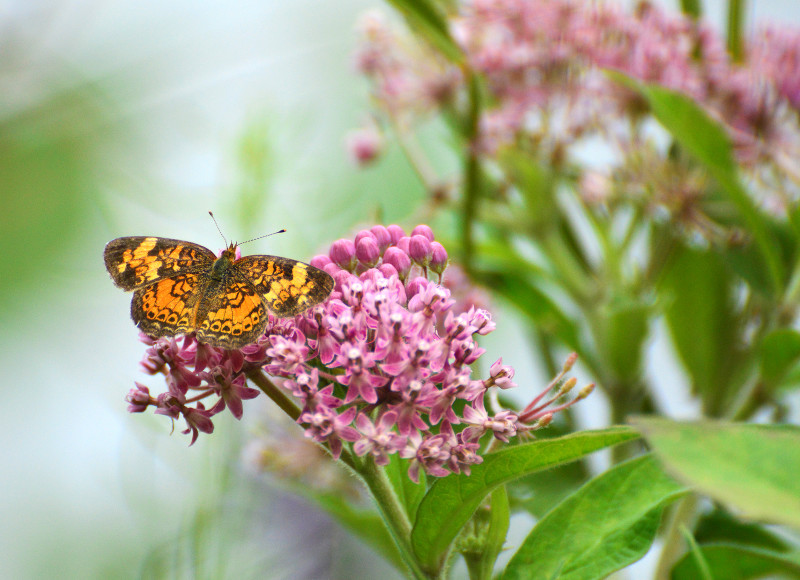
(288, 287)
(136, 261)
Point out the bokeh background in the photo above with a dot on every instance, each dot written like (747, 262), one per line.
(138, 118)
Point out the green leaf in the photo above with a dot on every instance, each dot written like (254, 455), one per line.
(740, 562)
(701, 319)
(584, 537)
(408, 492)
(720, 527)
(780, 351)
(452, 500)
(425, 18)
(708, 142)
(753, 468)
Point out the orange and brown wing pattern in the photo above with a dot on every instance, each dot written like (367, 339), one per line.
(288, 287)
(137, 261)
(168, 306)
(232, 315)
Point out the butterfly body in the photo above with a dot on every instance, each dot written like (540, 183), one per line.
(180, 287)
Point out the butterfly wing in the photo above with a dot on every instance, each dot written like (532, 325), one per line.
(168, 306)
(231, 314)
(138, 261)
(288, 287)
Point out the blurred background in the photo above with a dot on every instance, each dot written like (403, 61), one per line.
(124, 119)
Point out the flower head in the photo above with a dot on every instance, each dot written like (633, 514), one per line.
(385, 364)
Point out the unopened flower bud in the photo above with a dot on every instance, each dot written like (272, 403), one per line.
(367, 251)
(395, 233)
(438, 258)
(419, 250)
(399, 259)
(343, 254)
(423, 230)
(320, 261)
(382, 236)
(364, 145)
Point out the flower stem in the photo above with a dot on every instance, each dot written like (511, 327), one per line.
(683, 512)
(273, 392)
(287, 405)
(735, 25)
(471, 173)
(394, 515)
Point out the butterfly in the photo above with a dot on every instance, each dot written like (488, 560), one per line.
(181, 287)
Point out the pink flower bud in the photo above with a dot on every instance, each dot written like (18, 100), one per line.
(415, 285)
(138, 399)
(399, 259)
(364, 145)
(382, 236)
(367, 251)
(438, 257)
(388, 270)
(419, 250)
(396, 233)
(423, 230)
(343, 254)
(363, 234)
(320, 261)
(403, 243)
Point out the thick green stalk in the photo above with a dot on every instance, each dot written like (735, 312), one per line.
(471, 173)
(394, 515)
(735, 26)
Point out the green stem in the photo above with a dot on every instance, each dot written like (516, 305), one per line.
(692, 8)
(288, 406)
(269, 388)
(471, 173)
(735, 25)
(394, 516)
(683, 513)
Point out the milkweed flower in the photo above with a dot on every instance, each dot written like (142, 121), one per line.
(542, 64)
(385, 364)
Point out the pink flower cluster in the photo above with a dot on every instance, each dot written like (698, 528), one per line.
(385, 363)
(543, 63)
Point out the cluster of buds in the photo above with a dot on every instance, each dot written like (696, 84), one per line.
(384, 364)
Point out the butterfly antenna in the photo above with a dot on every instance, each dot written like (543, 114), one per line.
(219, 230)
(264, 236)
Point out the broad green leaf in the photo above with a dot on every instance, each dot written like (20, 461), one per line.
(753, 468)
(709, 143)
(452, 500)
(780, 351)
(606, 525)
(740, 562)
(701, 319)
(425, 18)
